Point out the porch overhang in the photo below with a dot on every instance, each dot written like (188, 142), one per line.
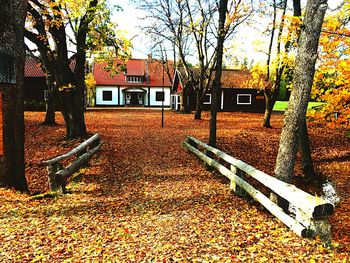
(135, 90)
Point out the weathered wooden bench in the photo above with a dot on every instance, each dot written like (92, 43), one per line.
(311, 213)
(58, 175)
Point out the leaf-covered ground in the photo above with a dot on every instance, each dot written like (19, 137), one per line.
(145, 199)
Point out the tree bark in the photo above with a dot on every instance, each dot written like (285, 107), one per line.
(199, 106)
(305, 148)
(302, 82)
(12, 55)
(57, 64)
(50, 102)
(216, 85)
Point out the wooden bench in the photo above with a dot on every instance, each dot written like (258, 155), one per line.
(58, 175)
(311, 213)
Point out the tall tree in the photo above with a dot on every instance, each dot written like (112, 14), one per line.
(61, 31)
(332, 77)
(193, 25)
(302, 83)
(272, 92)
(216, 85)
(12, 55)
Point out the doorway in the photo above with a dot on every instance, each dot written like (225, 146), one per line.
(134, 99)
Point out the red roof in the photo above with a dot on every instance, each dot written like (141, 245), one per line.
(32, 68)
(150, 69)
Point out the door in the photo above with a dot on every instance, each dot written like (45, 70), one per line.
(134, 100)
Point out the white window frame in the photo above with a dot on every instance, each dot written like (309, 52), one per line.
(207, 102)
(134, 79)
(244, 103)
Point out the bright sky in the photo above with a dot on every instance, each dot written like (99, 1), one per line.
(128, 20)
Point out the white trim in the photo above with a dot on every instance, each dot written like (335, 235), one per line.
(222, 99)
(244, 103)
(207, 102)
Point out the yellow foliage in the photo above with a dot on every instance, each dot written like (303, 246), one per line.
(332, 78)
(90, 84)
(67, 88)
(258, 76)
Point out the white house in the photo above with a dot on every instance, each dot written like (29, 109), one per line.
(144, 83)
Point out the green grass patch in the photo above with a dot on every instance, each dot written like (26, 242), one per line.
(282, 105)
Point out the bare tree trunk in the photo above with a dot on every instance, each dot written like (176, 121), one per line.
(268, 108)
(185, 107)
(199, 106)
(50, 102)
(216, 85)
(12, 55)
(306, 159)
(271, 95)
(267, 91)
(302, 82)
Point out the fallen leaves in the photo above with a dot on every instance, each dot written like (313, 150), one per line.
(143, 198)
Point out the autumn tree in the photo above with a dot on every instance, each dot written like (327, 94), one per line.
(61, 32)
(193, 25)
(279, 69)
(302, 83)
(216, 84)
(167, 26)
(332, 77)
(12, 54)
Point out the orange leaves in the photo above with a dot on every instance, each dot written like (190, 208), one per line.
(332, 78)
(145, 199)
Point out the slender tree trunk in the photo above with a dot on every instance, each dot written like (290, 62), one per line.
(50, 102)
(271, 95)
(216, 85)
(12, 55)
(302, 82)
(199, 105)
(268, 108)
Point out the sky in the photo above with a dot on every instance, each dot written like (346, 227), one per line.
(129, 21)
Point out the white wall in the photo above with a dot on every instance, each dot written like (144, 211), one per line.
(114, 101)
(99, 95)
(153, 101)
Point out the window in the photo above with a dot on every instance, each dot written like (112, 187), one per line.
(134, 79)
(107, 95)
(207, 99)
(244, 99)
(159, 96)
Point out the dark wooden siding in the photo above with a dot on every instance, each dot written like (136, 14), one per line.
(230, 100)
(34, 89)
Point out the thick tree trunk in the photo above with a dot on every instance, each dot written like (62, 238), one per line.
(302, 82)
(185, 107)
(216, 85)
(305, 148)
(50, 102)
(12, 55)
